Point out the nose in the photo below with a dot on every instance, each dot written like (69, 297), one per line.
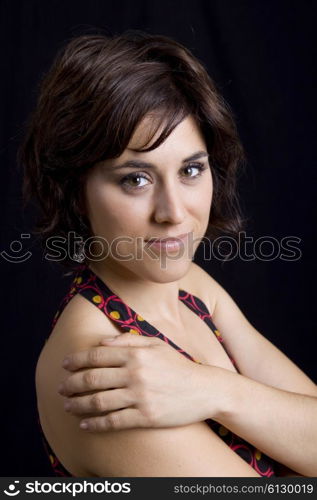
(169, 205)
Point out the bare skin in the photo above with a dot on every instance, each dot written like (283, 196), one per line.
(156, 433)
(156, 407)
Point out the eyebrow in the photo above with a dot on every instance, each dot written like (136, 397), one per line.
(144, 164)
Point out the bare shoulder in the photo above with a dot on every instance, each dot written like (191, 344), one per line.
(201, 284)
(193, 450)
(80, 327)
(83, 322)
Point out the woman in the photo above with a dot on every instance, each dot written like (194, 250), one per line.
(132, 149)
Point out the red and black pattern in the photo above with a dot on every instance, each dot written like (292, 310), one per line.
(90, 286)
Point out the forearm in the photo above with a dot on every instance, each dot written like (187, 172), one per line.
(281, 424)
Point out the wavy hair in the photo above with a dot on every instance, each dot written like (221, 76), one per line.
(90, 102)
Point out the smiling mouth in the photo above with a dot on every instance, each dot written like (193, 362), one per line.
(170, 244)
(174, 239)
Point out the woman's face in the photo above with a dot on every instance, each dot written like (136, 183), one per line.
(159, 194)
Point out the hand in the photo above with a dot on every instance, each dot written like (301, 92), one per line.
(136, 381)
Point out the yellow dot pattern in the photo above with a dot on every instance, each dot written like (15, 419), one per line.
(196, 361)
(223, 431)
(130, 324)
(115, 314)
(133, 331)
(258, 455)
(97, 299)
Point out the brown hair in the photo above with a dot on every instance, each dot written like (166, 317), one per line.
(90, 102)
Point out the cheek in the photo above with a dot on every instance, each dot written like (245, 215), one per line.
(111, 214)
(99, 210)
(204, 199)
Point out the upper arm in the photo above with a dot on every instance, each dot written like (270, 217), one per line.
(255, 356)
(192, 450)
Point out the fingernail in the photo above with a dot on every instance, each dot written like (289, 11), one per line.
(83, 425)
(65, 362)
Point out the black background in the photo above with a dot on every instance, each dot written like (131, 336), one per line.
(261, 54)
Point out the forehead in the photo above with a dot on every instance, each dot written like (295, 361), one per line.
(186, 135)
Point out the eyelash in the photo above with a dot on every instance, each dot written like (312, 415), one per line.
(135, 175)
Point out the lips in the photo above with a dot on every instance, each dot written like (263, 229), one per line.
(171, 238)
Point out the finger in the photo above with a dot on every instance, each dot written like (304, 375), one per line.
(128, 418)
(93, 380)
(95, 357)
(111, 400)
(131, 340)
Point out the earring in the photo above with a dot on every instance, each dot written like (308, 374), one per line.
(79, 255)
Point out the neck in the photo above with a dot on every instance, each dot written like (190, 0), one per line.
(158, 301)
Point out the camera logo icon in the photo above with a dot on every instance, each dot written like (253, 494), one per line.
(13, 491)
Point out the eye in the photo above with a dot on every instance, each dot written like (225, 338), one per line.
(132, 181)
(136, 180)
(192, 167)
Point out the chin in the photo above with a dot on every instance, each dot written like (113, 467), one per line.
(171, 271)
